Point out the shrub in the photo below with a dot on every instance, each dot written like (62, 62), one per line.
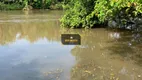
(14, 6)
(87, 13)
(77, 14)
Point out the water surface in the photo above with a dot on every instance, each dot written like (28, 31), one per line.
(31, 49)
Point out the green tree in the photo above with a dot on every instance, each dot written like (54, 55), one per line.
(77, 14)
(88, 13)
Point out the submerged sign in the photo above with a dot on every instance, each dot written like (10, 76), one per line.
(71, 39)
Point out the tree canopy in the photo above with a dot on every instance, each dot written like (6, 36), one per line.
(88, 13)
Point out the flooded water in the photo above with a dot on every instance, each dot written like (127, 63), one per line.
(31, 49)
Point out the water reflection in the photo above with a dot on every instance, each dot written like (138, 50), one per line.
(32, 50)
(30, 31)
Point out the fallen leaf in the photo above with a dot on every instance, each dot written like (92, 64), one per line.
(139, 76)
(117, 78)
(88, 71)
(112, 74)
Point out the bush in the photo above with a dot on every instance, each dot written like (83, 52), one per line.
(121, 11)
(77, 14)
(14, 6)
(36, 4)
(57, 6)
(87, 13)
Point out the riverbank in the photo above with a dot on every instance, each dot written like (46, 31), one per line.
(79, 14)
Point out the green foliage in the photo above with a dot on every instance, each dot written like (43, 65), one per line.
(36, 4)
(78, 14)
(87, 13)
(45, 4)
(58, 6)
(105, 9)
(48, 3)
(14, 6)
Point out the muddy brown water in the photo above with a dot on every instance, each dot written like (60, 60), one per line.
(31, 49)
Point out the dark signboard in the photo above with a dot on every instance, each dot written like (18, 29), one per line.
(71, 39)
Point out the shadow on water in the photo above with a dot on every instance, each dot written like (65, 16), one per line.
(107, 55)
(129, 46)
